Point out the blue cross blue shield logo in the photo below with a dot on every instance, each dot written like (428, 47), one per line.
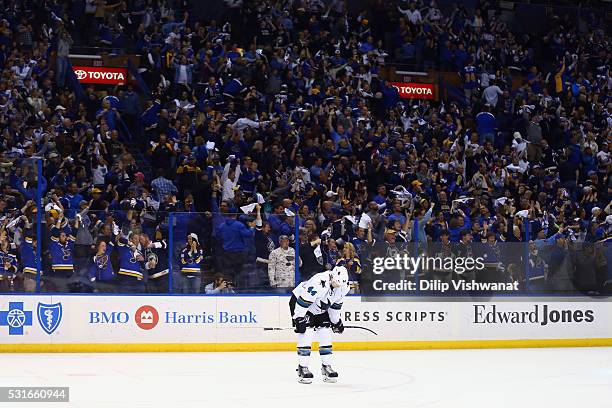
(15, 318)
(49, 316)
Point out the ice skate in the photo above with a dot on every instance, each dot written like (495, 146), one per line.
(304, 375)
(329, 375)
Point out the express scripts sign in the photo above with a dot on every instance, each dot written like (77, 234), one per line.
(413, 90)
(101, 75)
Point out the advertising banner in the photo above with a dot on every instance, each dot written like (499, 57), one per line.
(118, 321)
(100, 75)
(413, 90)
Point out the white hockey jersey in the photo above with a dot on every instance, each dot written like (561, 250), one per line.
(317, 296)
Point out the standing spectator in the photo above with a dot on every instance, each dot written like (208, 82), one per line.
(491, 94)
(310, 254)
(234, 235)
(101, 272)
(130, 274)
(8, 265)
(63, 50)
(130, 107)
(156, 264)
(412, 13)
(29, 264)
(163, 154)
(162, 186)
(470, 83)
(534, 137)
(191, 259)
(62, 255)
(281, 266)
(486, 125)
(263, 246)
(351, 262)
(183, 73)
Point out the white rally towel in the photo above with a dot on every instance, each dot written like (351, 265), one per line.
(247, 209)
(500, 201)
(462, 200)
(318, 253)
(52, 206)
(365, 221)
(351, 218)
(401, 192)
(523, 213)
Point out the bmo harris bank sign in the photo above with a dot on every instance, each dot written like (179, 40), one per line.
(147, 317)
(101, 75)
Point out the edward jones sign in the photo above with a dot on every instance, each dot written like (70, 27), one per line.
(413, 90)
(101, 75)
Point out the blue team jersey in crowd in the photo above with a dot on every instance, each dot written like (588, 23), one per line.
(101, 269)
(28, 256)
(469, 77)
(62, 260)
(129, 265)
(190, 261)
(7, 257)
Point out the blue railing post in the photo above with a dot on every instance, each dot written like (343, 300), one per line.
(39, 210)
(170, 251)
(526, 224)
(297, 248)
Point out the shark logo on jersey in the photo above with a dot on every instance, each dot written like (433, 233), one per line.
(49, 316)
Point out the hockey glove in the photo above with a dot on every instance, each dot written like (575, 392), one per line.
(301, 323)
(338, 327)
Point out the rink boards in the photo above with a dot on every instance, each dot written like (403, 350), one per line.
(65, 323)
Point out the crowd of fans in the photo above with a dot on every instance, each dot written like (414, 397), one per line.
(278, 113)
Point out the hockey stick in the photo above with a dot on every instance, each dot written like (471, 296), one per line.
(362, 328)
(346, 327)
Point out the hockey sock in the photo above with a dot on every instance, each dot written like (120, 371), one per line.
(326, 354)
(303, 348)
(324, 335)
(303, 355)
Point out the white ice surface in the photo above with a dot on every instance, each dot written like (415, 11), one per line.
(542, 378)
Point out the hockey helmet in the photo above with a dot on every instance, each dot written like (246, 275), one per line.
(339, 276)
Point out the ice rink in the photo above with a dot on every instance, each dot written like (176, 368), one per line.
(568, 377)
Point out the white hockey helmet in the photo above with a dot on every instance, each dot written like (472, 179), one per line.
(339, 276)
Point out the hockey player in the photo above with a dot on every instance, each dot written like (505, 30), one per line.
(315, 304)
